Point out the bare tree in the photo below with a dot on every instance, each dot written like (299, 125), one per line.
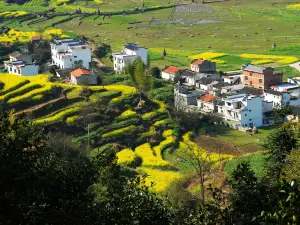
(200, 160)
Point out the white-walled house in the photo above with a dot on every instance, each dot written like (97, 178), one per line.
(130, 52)
(22, 69)
(83, 76)
(277, 98)
(245, 110)
(207, 103)
(67, 53)
(18, 56)
(169, 73)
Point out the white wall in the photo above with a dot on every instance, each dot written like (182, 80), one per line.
(205, 105)
(254, 114)
(28, 70)
(277, 100)
(167, 76)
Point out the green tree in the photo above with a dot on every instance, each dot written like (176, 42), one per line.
(279, 113)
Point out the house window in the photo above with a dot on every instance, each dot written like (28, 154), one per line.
(250, 110)
(250, 82)
(245, 114)
(260, 87)
(246, 77)
(75, 56)
(250, 119)
(250, 74)
(15, 71)
(19, 71)
(260, 80)
(70, 60)
(228, 103)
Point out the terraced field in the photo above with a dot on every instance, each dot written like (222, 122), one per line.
(109, 117)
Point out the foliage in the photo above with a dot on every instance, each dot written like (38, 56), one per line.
(71, 120)
(126, 157)
(118, 132)
(126, 115)
(155, 72)
(58, 116)
(102, 50)
(145, 152)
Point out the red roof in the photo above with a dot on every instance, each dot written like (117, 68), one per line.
(171, 70)
(80, 71)
(198, 62)
(208, 97)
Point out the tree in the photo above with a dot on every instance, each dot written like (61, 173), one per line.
(78, 64)
(85, 93)
(138, 76)
(155, 72)
(279, 113)
(102, 50)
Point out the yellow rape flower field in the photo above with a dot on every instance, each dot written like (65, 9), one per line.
(14, 35)
(278, 58)
(294, 7)
(7, 14)
(207, 55)
(126, 157)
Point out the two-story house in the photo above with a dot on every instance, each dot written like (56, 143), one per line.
(130, 52)
(244, 109)
(203, 66)
(169, 72)
(278, 99)
(70, 53)
(207, 103)
(260, 77)
(21, 64)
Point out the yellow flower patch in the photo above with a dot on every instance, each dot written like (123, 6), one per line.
(126, 157)
(208, 55)
(149, 159)
(294, 7)
(278, 58)
(57, 116)
(126, 114)
(159, 180)
(262, 61)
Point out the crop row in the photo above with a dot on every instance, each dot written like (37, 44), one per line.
(120, 132)
(14, 87)
(60, 115)
(126, 157)
(279, 58)
(24, 89)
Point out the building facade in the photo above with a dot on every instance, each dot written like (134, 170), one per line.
(83, 76)
(22, 69)
(203, 66)
(169, 73)
(130, 52)
(70, 53)
(260, 77)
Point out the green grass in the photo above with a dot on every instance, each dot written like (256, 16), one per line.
(256, 161)
(288, 72)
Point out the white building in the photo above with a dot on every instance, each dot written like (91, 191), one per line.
(82, 76)
(21, 68)
(69, 53)
(277, 98)
(169, 73)
(18, 56)
(130, 52)
(245, 110)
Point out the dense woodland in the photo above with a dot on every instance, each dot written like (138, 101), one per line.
(46, 179)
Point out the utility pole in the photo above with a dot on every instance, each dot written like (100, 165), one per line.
(88, 136)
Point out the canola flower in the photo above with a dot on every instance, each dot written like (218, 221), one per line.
(11, 81)
(71, 120)
(8, 14)
(126, 157)
(279, 58)
(159, 180)
(208, 56)
(120, 131)
(162, 109)
(164, 144)
(294, 7)
(188, 145)
(145, 152)
(126, 114)
(58, 116)
(262, 61)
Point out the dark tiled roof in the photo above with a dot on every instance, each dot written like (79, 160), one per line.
(188, 73)
(205, 81)
(250, 91)
(221, 84)
(257, 69)
(273, 92)
(64, 72)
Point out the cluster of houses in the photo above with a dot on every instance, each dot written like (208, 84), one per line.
(242, 100)
(71, 58)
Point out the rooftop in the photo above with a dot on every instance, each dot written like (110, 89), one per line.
(205, 81)
(257, 69)
(80, 71)
(171, 70)
(132, 46)
(284, 85)
(188, 73)
(15, 54)
(208, 98)
(273, 92)
(198, 62)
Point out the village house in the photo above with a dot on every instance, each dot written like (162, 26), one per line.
(21, 64)
(70, 53)
(203, 66)
(260, 77)
(242, 110)
(83, 76)
(186, 99)
(207, 103)
(130, 52)
(169, 73)
(278, 99)
(286, 87)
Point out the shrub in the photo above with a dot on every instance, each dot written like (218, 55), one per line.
(126, 115)
(71, 120)
(119, 132)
